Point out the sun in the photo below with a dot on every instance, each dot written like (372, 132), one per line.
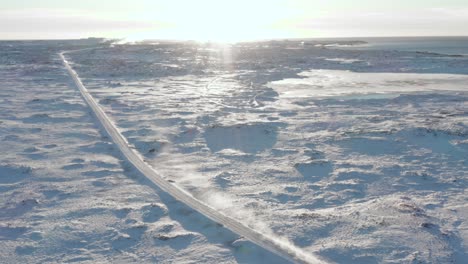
(227, 21)
(222, 21)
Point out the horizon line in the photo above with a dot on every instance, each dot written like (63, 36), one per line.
(254, 40)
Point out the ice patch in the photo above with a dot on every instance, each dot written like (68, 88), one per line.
(325, 83)
(344, 61)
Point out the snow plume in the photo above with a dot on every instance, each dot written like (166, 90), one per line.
(226, 204)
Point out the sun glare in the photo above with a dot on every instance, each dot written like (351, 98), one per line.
(222, 21)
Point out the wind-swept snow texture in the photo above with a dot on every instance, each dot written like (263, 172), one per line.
(66, 197)
(267, 241)
(356, 156)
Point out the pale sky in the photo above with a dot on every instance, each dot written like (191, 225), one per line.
(230, 20)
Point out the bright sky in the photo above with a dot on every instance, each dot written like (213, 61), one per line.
(230, 20)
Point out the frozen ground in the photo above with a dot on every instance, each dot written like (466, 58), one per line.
(367, 166)
(67, 197)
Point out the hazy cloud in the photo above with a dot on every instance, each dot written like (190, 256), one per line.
(36, 23)
(435, 21)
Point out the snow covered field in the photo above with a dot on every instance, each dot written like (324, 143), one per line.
(355, 156)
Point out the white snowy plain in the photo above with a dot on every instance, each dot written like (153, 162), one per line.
(353, 167)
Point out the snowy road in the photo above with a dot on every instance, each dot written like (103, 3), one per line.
(276, 245)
